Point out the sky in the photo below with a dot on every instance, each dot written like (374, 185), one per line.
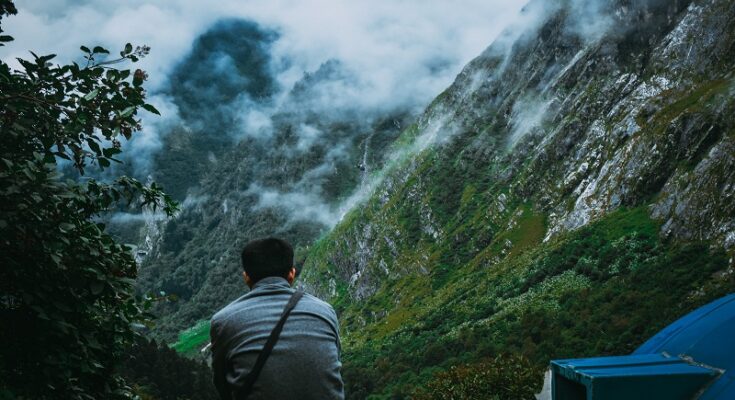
(402, 53)
(393, 43)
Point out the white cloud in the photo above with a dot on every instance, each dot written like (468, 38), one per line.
(299, 206)
(394, 54)
(395, 46)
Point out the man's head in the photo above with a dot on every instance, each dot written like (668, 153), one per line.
(267, 257)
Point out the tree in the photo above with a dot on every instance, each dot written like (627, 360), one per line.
(66, 287)
(160, 372)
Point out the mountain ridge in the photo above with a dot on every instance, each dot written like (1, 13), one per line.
(532, 152)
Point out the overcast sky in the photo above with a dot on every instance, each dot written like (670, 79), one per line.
(386, 39)
(403, 53)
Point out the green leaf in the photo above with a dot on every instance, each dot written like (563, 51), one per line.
(100, 50)
(47, 58)
(94, 146)
(5, 38)
(85, 49)
(111, 74)
(91, 95)
(62, 155)
(128, 48)
(111, 151)
(104, 163)
(128, 111)
(152, 109)
(96, 287)
(56, 259)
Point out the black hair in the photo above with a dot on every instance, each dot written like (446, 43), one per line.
(262, 258)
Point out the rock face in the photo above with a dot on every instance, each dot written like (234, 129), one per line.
(577, 113)
(570, 193)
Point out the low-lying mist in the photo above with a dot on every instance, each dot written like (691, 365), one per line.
(307, 78)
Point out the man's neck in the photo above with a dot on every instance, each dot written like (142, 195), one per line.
(271, 280)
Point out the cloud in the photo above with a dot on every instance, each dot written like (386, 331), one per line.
(403, 51)
(527, 116)
(299, 206)
(124, 217)
(322, 62)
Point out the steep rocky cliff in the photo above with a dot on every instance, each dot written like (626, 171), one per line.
(570, 193)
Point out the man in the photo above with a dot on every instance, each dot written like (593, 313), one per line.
(304, 363)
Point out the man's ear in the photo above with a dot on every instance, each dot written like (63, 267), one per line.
(247, 279)
(291, 275)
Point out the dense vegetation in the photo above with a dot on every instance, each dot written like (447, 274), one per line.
(66, 287)
(600, 291)
(158, 372)
(503, 377)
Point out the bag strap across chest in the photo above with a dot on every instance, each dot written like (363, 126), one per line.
(244, 391)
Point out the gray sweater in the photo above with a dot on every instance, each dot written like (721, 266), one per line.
(304, 363)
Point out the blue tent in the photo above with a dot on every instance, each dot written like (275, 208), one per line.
(693, 358)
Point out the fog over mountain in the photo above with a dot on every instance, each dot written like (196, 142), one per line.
(278, 117)
(399, 55)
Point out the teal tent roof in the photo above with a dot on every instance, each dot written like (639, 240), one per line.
(706, 336)
(693, 358)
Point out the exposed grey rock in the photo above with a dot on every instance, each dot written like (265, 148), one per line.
(641, 113)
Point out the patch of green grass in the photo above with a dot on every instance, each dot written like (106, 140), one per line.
(529, 230)
(192, 340)
(625, 221)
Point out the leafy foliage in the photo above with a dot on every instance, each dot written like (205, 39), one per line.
(66, 287)
(601, 290)
(506, 377)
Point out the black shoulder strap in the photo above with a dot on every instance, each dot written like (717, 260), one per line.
(250, 379)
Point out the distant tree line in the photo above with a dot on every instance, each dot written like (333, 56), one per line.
(159, 373)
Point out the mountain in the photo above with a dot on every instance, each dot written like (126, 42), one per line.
(570, 194)
(248, 158)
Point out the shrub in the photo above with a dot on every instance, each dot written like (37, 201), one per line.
(506, 377)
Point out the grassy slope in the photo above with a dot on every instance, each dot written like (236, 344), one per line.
(601, 290)
(192, 340)
(493, 286)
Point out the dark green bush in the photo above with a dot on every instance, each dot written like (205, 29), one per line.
(506, 377)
